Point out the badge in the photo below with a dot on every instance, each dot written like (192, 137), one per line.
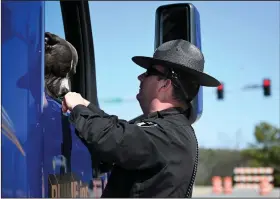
(146, 124)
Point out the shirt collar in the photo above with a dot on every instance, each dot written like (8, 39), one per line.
(166, 112)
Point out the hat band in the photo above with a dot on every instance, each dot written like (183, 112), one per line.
(180, 59)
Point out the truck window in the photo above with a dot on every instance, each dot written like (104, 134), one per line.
(53, 19)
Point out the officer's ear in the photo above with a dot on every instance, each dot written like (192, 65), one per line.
(165, 85)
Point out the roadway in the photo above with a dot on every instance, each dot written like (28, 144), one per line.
(201, 191)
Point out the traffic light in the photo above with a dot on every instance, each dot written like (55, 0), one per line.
(266, 87)
(220, 92)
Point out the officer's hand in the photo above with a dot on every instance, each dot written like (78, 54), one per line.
(72, 99)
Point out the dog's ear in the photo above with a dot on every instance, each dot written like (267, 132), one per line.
(61, 57)
(58, 55)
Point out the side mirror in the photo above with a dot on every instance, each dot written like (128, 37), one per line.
(180, 21)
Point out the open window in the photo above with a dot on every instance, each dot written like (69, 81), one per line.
(67, 164)
(77, 26)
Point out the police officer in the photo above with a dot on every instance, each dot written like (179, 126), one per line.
(156, 156)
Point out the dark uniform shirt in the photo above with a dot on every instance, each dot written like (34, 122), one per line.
(153, 157)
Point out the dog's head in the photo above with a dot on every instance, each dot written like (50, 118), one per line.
(61, 59)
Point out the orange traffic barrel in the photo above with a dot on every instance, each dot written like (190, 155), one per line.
(227, 185)
(217, 185)
(264, 187)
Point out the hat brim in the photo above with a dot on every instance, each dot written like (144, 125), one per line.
(202, 79)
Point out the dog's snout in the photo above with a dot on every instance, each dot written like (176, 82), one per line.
(64, 91)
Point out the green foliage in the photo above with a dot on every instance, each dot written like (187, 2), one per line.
(266, 135)
(266, 151)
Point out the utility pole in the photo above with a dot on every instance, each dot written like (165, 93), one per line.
(238, 138)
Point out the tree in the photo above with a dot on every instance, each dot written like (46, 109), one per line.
(214, 162)
(266, 151)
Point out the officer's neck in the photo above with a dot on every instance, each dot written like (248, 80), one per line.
(162, 106)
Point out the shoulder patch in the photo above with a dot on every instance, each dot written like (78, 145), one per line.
(146, 124)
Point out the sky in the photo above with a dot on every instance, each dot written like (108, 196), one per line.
(240, 43)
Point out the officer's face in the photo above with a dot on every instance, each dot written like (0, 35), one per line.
(150, 86)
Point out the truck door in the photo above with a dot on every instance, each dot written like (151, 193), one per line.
(41, 155)
(22, 101)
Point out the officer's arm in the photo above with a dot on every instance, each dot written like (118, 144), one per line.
(103, 167)
(93, 108)
(117, 141)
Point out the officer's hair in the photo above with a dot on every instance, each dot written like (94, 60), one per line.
(190, 87)
(191, 90)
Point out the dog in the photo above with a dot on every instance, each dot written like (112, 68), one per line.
(61, 59)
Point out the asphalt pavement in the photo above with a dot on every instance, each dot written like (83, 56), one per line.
(237, 192)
